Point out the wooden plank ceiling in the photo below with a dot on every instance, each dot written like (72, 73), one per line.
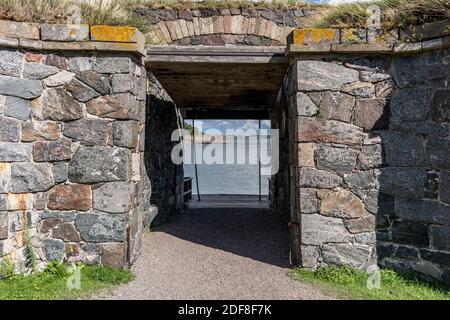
(219, 79)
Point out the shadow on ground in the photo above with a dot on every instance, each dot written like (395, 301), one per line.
(251, 233)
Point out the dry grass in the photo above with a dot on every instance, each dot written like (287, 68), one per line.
(62, 11)
(395, 13)
(224, 4)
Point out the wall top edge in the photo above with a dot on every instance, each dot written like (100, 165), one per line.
(71, 37)
(429, 36)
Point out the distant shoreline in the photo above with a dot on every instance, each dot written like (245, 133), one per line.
(207, 139)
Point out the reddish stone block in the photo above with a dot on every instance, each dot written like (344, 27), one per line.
(70, 197)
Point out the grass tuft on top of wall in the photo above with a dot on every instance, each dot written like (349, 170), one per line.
(225, 4)
(92, 12)
(394, 13)
(51, 283)
(348, 283)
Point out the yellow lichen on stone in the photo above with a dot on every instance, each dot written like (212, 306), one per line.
(315, 36)
(115, 34)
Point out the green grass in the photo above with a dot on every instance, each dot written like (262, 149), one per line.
(347, 283)
(51, 283)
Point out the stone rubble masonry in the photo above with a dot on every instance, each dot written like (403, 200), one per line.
(70, 126)
(369, 142)
(205, 27)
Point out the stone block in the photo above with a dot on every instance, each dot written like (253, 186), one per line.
(114, 197)
(336, 106)
(371, 156)
(362, 181)
(112, 65)
(54, 250)
(17, 108)
(440, 106)
(410, 233)
(371, 114)
(440, 237)
(4, 225)
(360, 89)
(51, 151)
(70, 197)
(59, 105)
(60, 172)
(423, 211)
(317, 130)
(402, 182)
(79, 64)
(15, 152)
(444, 190)
(38, 71)
(312, 178)
(408, 47)
(302, 105)
(11, 63)
(318, 230)
(437, 151)
(101, 227)
(310, 256)
(353, 35)
(116, 34)
(19, 30)
(353, 255)
(308, 201)
(113, 107)
(9, 42)
(31, 177)
(9, 129)
(320, 76)
(66, 231)
(94, 80)
(40, 131)
(314, 36)
(122, 83)
(81, 91)
(125, 133)
(429, 128)
(403, 150)
(340, 204)
(374, 77)
(64, 32)
(5, 177)
(305, 153)
(364, 224)
(57, 61)
(337, 159)
(21, 88)
(114, 255)
(89, 131)
(427, 30)
(100, 164)
(411, 104)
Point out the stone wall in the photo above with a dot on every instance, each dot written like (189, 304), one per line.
(255, 27)
(72, 179)
(166, 177)
(371, 135)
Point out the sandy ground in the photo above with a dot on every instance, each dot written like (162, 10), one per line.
(216, 254)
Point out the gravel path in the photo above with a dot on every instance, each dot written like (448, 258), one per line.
(216, 254)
